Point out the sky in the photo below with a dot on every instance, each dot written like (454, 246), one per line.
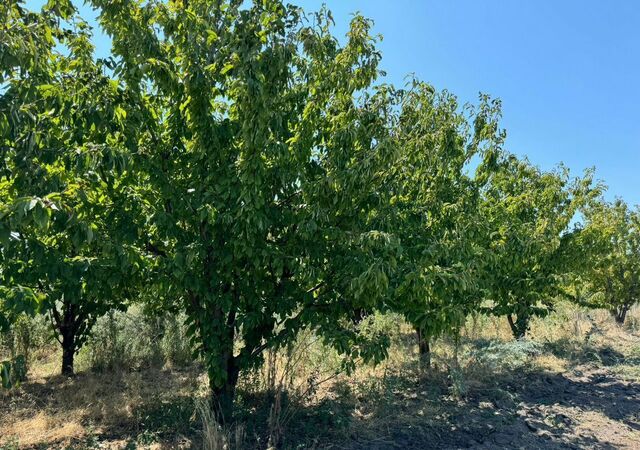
(567, 72)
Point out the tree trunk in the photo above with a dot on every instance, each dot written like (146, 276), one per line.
(424, 349)
(223, 397)
(520, 326)
(67, 326)
(68, 353)
(620, 314)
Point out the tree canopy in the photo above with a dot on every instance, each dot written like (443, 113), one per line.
(263, 144)
(532, 240)
(432, 193)
(237, 162)
(67, 203)
(612, 233)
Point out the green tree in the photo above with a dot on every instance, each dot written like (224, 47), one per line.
(66, 204)
(612, 277)
(445, 156)
(532, 241)
(264, 150)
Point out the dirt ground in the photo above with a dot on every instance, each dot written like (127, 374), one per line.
(587, 408)
(564, 394)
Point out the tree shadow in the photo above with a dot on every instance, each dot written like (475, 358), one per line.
(526, 408)
(598, 391)
(584, 353)
(408, 408)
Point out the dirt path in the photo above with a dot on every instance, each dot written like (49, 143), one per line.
(584, 409)
(587, 408)
(581, 409)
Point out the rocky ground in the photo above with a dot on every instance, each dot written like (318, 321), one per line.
(585, 408)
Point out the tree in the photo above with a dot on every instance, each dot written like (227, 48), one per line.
(612, 231)
(67, 205)
(264, 149)
(432, 206)
(532, 242)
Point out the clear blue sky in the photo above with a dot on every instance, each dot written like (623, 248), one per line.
(568, 72)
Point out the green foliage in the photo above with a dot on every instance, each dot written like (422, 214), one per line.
(612, 239)
(134, 340)
(247, 169)
(532, 246)
(24, 336)
(13, 372)
(18, 343)
(263, 147)
(67, 205)
(431, 204)
(381, 324)
(512, 355)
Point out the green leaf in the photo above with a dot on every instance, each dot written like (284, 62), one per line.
(226, 68)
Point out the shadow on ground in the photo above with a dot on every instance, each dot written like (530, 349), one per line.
(588, 406)
(529, 408)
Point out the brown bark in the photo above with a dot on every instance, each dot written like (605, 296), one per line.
(424, 350)
(519, 326)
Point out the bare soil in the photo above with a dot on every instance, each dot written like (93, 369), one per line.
(578, 396)
(586, 408)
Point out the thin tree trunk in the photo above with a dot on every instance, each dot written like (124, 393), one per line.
(223, 397)
(519, 326)
(620, 314)
(68, 353)
(67, 326)
(424, 350)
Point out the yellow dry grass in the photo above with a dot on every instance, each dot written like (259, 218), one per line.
(41, 428)
(53, 411)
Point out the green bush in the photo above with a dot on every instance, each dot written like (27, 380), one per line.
(507, 355)
(13, 372)
(25, 336)
(134, 340)
(175, 346)
(382, 324)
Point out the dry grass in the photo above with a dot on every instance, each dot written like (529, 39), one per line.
(52, 409)
(43, 428)
(299, 399)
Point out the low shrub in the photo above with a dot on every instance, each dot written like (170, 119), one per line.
(133, 340)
